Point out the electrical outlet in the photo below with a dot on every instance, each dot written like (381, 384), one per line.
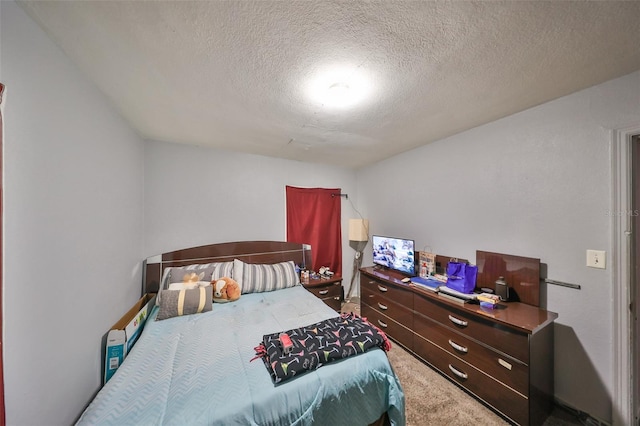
(596, 259)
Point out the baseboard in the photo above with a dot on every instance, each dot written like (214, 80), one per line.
(584, 417)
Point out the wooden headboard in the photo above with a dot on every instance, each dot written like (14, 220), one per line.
(247, 251)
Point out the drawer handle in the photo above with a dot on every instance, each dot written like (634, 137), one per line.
(382, 289)
(458, 372)
(383, 307)
(458, 321)
(382, 324)
(323, 292)
(458, 347)
(504, 363)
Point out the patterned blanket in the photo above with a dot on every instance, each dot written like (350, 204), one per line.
(318, 344)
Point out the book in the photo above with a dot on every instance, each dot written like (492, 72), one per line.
(452, 298)
(429, 287)
(488, 298)
(426, 283)
(459, 295)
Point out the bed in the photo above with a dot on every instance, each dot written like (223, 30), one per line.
(196, 369)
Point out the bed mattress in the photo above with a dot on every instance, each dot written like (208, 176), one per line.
(195, 370)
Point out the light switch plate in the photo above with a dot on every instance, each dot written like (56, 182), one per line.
(596, 259)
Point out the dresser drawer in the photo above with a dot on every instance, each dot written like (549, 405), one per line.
(506, 370)
(491, 333)
(333, 302)
(402, 296)
(398, 330)
(503, 399)
(387, 306)
(329, 290)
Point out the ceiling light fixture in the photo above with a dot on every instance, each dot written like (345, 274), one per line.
(338, 94)
(339, 87)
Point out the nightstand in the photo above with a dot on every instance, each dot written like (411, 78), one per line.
(329, 290)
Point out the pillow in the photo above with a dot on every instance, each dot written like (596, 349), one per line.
(211, 271)
(188, 286)
(184, 302)
(257, 278)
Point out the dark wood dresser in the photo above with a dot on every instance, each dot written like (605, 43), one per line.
(327, 289)
(503, 356)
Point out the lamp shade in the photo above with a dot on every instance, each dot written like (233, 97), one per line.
(358, 230)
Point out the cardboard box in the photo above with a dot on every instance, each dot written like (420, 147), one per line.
(124, 333)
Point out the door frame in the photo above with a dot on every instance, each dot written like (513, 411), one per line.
(2, 405)
(623, 404)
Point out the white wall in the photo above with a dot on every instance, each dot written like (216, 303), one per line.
(534, 184)
(196, 195)
(73, 184)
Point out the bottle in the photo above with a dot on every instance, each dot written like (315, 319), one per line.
(423, 270)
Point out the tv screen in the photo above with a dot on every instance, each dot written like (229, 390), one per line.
(394, 253)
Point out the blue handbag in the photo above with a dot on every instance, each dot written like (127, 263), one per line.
(461, 277)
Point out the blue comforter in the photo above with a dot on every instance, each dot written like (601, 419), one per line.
(195, 370)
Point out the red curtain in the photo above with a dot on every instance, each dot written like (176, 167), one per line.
(313, 217)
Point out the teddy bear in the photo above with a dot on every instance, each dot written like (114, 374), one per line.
(225, 290)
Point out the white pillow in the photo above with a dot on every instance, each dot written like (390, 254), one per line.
(189, 286)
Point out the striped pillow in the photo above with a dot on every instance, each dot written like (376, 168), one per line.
(257, 278)
(184, 302)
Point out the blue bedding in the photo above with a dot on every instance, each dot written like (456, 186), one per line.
(195, 370)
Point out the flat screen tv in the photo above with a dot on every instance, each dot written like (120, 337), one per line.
(394, 253)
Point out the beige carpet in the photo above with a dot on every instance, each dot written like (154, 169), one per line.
(431, 399)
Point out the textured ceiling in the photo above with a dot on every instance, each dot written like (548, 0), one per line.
(236, 74)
